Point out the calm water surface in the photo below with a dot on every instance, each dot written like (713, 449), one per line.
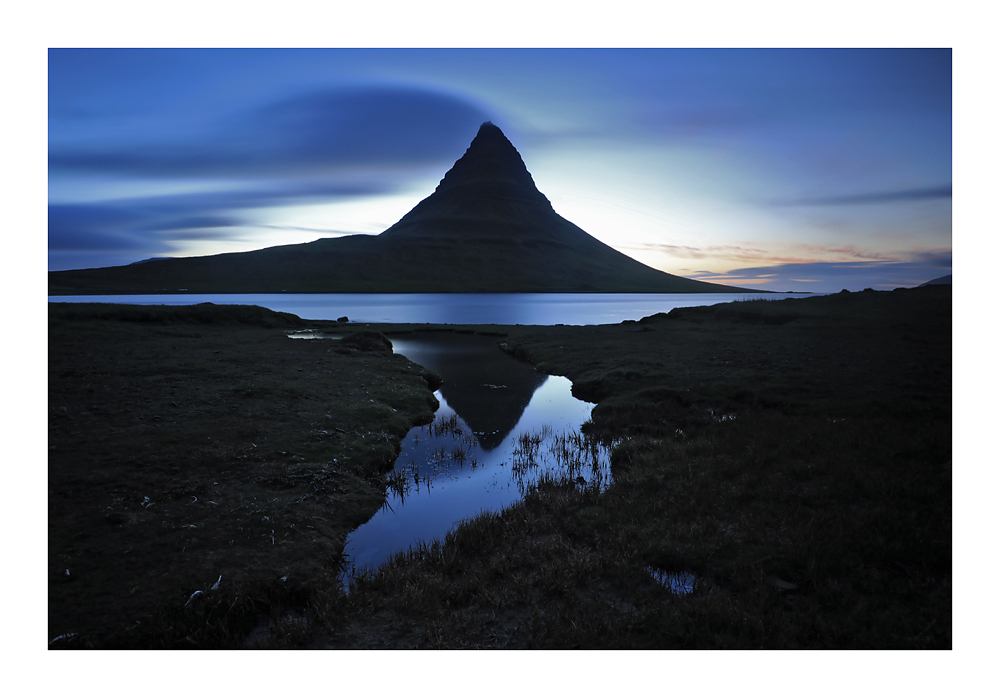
(453, 308)
(501, 427)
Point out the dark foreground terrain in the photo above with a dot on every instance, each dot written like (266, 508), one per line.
(189, 443)
(793, 455)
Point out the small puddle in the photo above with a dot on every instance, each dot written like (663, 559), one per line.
(679, 583)
(312, 334)
(501, 428)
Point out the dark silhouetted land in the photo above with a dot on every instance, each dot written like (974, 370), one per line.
(793, 455)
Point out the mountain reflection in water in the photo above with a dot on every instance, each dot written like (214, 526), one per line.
(501, 427)
(484, 386)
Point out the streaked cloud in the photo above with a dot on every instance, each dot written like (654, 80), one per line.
(92, 228)
(149, 223)
(314, 131)
(804, 253)
(828, 277)
(332, 232)
(881, 197)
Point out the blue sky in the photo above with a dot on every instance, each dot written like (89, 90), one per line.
(782, 169)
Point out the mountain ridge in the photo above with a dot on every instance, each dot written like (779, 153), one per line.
(485, 228)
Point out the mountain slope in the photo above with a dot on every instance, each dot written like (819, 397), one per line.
(938, 281)
(486, 228)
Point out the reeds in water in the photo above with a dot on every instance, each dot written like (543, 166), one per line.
(547, 457)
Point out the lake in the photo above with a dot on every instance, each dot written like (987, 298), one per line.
(454, 308)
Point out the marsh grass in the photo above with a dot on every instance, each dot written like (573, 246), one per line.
(794, 457)
(791, 544)
(398, 482)
(812, 507)
(545, 457)
(450, 426)
(193, 442)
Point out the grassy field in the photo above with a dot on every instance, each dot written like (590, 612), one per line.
(192, 443)
(792, 457)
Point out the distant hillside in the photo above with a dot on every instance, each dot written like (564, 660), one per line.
(486, 228)
(938, 281)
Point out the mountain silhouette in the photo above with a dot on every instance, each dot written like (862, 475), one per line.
(485, 228)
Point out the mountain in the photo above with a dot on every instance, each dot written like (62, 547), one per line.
(938, 281)
(486, 228)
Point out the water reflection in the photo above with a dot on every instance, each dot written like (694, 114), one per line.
(482, 384)
(312, 334)
(679, 583)
(501, 428)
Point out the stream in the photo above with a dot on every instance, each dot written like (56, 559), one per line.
(501, 428)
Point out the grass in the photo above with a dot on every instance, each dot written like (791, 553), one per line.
(799, 470)
(188, 443)
(792, 456)
(789, 549)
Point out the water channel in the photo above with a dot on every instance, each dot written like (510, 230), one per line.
(501, 427)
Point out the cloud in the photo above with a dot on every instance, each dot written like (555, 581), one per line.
(92, 228)
(286, 151)
(827, 277)
(369, 124)
(748, 253)
(933, 258)
(706, 252)
(883, 197)
(195, 222)
(306, 133)
(306, 229)
(150, 223)
(854, 268)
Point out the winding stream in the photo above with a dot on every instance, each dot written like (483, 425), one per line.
(501, 427)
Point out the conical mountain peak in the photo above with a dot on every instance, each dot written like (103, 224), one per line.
(487, 188)
(490, 158)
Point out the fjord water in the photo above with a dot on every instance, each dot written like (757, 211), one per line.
(501, 427)
(453, 308)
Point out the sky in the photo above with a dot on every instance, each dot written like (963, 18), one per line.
(778, 169)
